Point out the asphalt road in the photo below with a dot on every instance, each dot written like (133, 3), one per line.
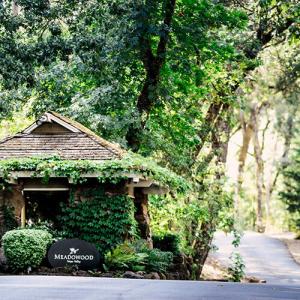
(80, 288)
(265, 257)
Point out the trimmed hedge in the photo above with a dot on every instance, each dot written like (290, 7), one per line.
(25, 248)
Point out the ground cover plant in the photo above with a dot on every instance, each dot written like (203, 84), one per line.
(136, 256)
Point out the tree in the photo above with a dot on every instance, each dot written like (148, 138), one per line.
(274, 23)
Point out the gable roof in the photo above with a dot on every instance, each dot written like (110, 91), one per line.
(53, 134)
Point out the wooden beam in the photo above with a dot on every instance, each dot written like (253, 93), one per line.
(141, 183)
(49, 118)
(54, 189)
(155, 190)
(130, 191)
(30, 174)
(142, 216)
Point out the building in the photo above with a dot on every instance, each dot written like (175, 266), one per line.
(53, 135)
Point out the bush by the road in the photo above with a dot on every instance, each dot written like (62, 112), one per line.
(25, 248)
(137, 256)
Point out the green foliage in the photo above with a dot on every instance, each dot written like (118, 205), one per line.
(25, 248)
(290, 193)
(167, 242)
(158, 261)
(108, 171)
(137, 256)
(88, 62)
(211, 201)
(46, 226)
(124, 257)
(236, 238)
(237, 267)
(17, 123)
(105, 221)
(9, 218)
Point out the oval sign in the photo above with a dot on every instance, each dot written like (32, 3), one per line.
(74, 252)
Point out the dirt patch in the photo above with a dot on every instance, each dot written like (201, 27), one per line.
(294, 248)
(213, 270)
(293, 244)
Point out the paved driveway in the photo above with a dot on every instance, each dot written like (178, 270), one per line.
(265, 257)
(81, 288)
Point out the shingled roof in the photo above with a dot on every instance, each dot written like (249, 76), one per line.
(53, 134)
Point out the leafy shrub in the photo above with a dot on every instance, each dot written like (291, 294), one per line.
(137, 256)
(167, 242)
(25, 248)
(237, 267)
(158, 261)
(124, 257)
(102, 220)
(46, 226)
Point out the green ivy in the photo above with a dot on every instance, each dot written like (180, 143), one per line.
(9, 220)
(102, 220)
(107, 171)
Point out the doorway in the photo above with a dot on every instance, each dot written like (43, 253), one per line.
(44, 206)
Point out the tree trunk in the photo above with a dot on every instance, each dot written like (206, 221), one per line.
(270, 186)
(142, 216)
(284, 161)
(259, 177)
(202, 246)
(247, 133)
(153, 63)
(220, 140)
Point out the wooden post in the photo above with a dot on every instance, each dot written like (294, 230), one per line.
(142, 215)
(23, 216)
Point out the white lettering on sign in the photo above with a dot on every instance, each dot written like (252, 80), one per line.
(73, 257)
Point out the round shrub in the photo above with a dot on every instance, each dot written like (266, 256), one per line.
(25, 248)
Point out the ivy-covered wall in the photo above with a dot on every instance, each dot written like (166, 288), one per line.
(7, 219)
(102, 219)
(107, 218)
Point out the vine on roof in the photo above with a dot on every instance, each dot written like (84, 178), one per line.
(107, 171)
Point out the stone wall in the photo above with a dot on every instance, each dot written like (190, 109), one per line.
(14, 198)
